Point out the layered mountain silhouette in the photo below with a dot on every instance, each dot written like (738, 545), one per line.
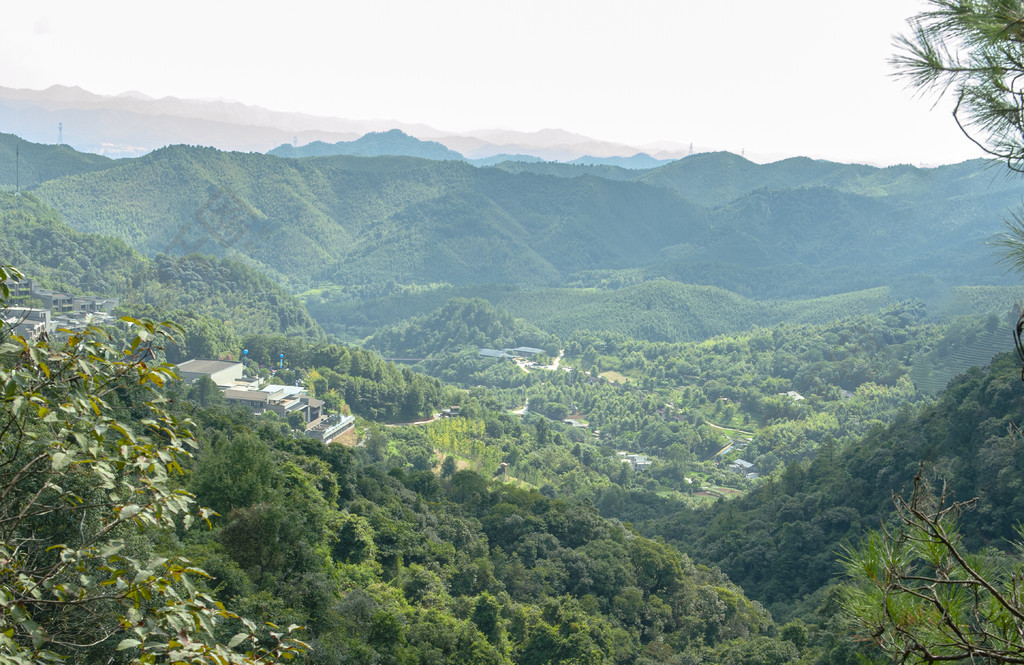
(796, 228)
(132, 124)
(393, 142)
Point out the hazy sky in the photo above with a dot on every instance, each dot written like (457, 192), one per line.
(773, 79)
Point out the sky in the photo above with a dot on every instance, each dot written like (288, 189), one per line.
(764, 79)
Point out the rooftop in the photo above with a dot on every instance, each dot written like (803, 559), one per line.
(278, 391)
(528, 349)
(206, 366)
(331, 421)
(248, 395)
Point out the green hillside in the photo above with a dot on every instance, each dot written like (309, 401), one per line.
(36, 240)
(715, 179)
(981, 321)
(357, 220)
(566, 170)
(460, 323)
(796, 228)
(782, 542)
(803, 242)
(373, 144)
(180, 200)
(658, 310)
(968, 300)
(372, 241)
(967, 342)
(27, 164)
(216, 300)
(671, 311)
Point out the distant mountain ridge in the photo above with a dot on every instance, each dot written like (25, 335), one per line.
(640, 160)
(397, 143)
(133, 124)
(24, 164)
(393, 142)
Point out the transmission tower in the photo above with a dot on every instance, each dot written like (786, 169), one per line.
(60, 133)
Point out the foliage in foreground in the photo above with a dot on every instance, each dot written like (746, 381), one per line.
(83, 490)
(921, 597)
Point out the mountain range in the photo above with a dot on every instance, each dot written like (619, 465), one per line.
(133, 124)
(372, 240)
(792, 228)
(395, 142)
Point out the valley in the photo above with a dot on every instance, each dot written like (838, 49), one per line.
(599, 414)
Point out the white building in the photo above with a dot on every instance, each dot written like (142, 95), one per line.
(225, 373)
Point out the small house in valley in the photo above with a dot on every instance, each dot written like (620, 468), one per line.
(526, 351)
(744, 468)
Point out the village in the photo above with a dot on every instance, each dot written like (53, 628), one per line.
(290, 403)
(60, 312)
(57, 311)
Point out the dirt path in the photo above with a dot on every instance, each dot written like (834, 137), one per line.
(733, 429)
(415, 422)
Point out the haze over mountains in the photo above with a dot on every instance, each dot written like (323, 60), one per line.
(133, 124)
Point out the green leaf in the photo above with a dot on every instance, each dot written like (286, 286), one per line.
(60, 461)
(128, 643)
(236, 640)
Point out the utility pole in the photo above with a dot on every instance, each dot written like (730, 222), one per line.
(17, 169)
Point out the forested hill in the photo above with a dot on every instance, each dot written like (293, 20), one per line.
(797, 228)
(373, 144)
(215, 300)
(716, 178)
(782, 542)
(461, 322)
(24, 164)
(359, 220)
